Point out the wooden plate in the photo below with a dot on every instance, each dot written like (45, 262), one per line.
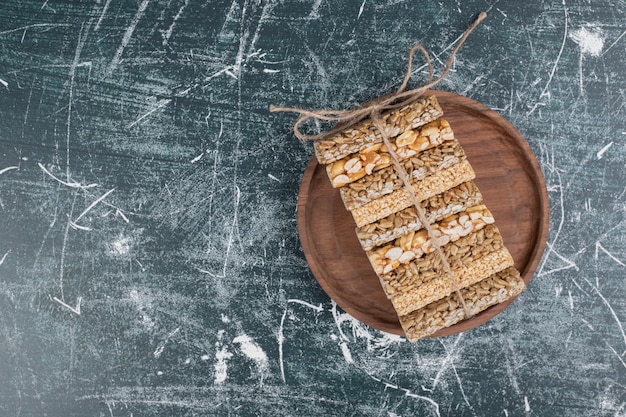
(507, 174)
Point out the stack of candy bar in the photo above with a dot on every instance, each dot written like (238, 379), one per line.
(401, 250)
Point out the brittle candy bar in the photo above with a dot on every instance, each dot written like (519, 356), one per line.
(441, 286)
(447, 311)
(387, 180)
(423, 189)
(365, 133)
(376, 156)
(424, 280)
(436, 208)
(415, 244)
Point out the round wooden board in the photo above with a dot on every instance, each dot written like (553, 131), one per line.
(507, 174)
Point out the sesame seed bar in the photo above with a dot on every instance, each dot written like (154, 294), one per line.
(414, 245)
(449, 202)
(424, 280)
(376, 156)
(449, 310)
(386, 181)
(400, 199)
(365, 133)
(441, 286)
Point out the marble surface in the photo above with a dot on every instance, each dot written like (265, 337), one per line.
(149, 257)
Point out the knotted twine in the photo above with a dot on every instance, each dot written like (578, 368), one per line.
(347, 118)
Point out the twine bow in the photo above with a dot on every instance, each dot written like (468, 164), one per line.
(347, 118)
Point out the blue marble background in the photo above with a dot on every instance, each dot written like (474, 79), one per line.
(149, 257)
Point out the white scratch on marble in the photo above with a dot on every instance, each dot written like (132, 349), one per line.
(314, 13)
(617, 355)
(281, 340)
(281, 331)
(126, 38)
(318, 308)
(92, 205)
(231, 237)
(600, 247)
(4, 257)
(7, 169)
(361, 10)
(82, 38)
(161, 103)
(615, 42)
(109, 404)
(75, 310)
(407, 393)
(448, 360)
(79, 227)
(102, 13)
(421, 397)
(37, 25)
(511, 372)
(359, 330)
(602, 151)
(161, 347)
(345, 350)
(551, 245)
(170, 30)
(66, 183)
(240, 52)
(265, 16)
(545, 92)
(608, 305)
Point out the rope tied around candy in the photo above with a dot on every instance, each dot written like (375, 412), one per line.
(347, 118)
